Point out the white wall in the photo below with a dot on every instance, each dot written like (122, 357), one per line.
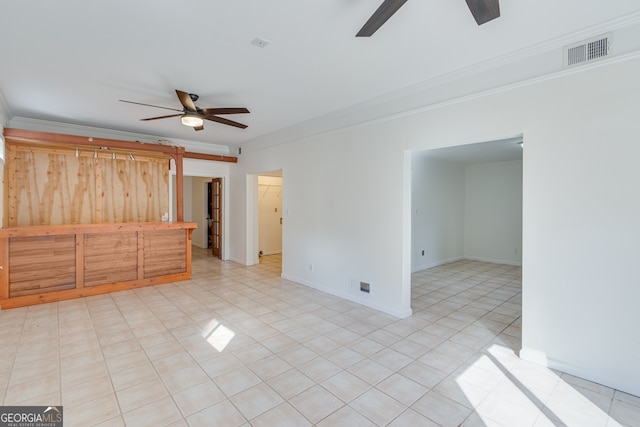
(188, 198)
(346, 199)
(4, 121)
(339, 217)
(1, 170)
(199, 210)
(438, 210)
(493, 212)
(465, 211)
(270, 213)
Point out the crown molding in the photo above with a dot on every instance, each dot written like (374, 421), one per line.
(5, 112)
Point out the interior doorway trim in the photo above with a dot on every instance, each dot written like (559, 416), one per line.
(252, 254)
(225, 204)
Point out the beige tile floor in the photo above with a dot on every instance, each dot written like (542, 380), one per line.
(239, 346)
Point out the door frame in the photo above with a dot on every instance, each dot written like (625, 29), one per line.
(252, 253)
(217, 217)
(225, 202)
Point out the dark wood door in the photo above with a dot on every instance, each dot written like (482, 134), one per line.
(216, 217)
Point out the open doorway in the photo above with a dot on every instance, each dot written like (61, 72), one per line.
(467, 204)
(265, 227)
(269, 215)
(199, 193)
(466, 233)
(466, 239)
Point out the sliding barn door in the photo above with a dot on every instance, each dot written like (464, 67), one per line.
(216, 217)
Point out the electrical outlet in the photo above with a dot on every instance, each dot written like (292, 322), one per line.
(423, 253)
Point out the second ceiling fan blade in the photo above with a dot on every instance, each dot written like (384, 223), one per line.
(208, 111)
(484, 10)
(380, 16)
(149, 105)
(225, 121)
(185, 100)
(161, 117)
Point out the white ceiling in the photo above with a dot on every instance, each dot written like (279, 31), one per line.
(70, 61)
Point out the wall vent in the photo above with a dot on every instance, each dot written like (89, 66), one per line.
(587, 51)
(365, 287)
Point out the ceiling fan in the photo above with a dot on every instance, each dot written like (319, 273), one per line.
(194, 116)
(482, 10)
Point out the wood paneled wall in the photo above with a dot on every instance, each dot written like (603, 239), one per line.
(46, 186)
(164, 252)
(103, 251)
(42, 264)
(53, 263)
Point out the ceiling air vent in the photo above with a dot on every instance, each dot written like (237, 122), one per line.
(587, 51)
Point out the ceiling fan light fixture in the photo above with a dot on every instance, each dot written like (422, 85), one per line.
(192, 120)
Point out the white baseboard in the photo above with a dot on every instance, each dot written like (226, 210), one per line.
(239, 261)
(495, 261)
(344, 295)
(447, 261)
(435, 264)
(535, 356)
(267, 253)
(541, 358)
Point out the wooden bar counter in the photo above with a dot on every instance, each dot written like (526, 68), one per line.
(40, 264)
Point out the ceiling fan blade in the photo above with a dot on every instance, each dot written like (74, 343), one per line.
(186, 100)
(225, 121)
(380, 16)
(208, 111)
(161, 117)
(484, 10)
(148, 105)
(198, 127)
